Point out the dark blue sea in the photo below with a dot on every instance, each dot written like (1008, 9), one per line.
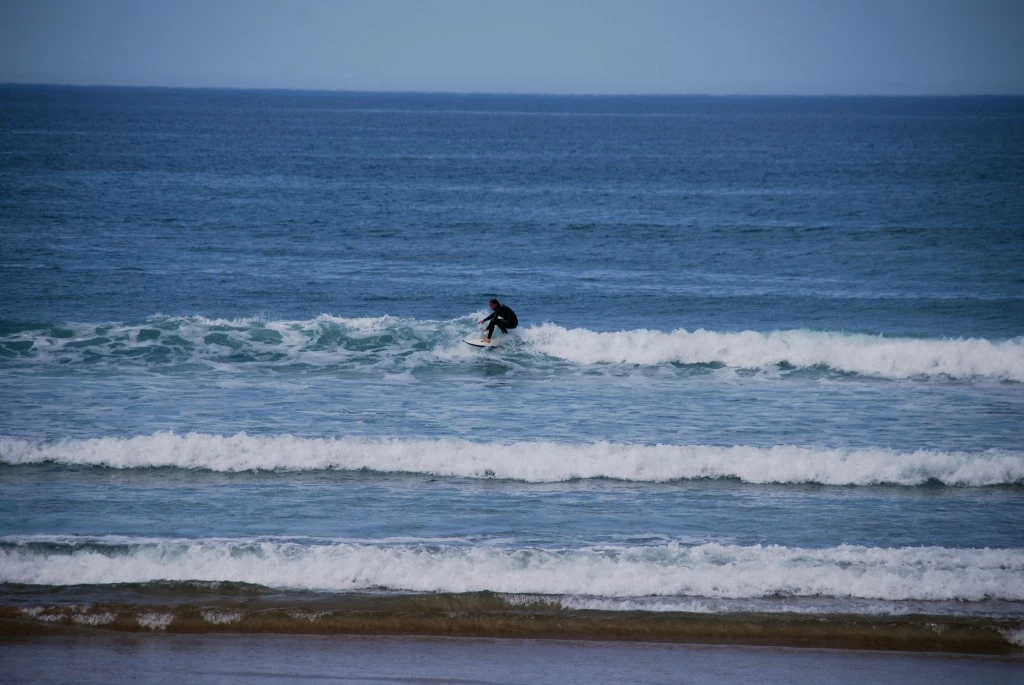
(770, 358)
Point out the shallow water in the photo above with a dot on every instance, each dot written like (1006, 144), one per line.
(273, 659)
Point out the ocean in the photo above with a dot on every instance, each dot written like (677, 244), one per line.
(768, 384)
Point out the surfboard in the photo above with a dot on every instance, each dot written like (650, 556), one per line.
(475, 341)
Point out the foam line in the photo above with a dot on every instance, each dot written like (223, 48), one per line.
(527, 461)
(708, 570)
(867, 355)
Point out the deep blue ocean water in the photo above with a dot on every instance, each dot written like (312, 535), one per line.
(771, 354)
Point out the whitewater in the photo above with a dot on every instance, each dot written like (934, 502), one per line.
(532, 462)
(713, 571)
(390, 344)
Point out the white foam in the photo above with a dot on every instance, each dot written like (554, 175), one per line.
(221, 618)
(528, 461)
(213, 342)
(1014, 636)
(710, 570)
(597, 604)
(306, 615)
(49, 617)
(37, 612)
(853, 353)
(99, 619)
(769, 605)
(154, 620)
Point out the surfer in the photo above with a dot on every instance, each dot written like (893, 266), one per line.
(502, 316)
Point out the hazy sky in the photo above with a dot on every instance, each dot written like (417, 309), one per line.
(543, 46)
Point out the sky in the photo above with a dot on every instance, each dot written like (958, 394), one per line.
(717, 47)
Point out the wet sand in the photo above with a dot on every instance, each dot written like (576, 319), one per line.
(108, 657)
(484, 615)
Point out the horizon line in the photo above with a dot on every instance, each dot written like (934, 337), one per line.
(35, 84)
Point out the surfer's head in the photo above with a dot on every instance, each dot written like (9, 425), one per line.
(494, 304)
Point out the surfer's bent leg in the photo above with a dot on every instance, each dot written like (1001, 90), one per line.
(500, 323)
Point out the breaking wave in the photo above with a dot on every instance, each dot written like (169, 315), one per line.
(711, 570)
(527, 461)
(390, 344)
(866, 355)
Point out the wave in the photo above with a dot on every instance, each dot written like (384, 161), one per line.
(390, 344)
(868, 355)
(161, 342)
(534, 462)
(710, 570)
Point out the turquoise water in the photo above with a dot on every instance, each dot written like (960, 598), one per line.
(770, 354)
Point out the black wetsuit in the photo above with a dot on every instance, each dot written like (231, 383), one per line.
(504, 318)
